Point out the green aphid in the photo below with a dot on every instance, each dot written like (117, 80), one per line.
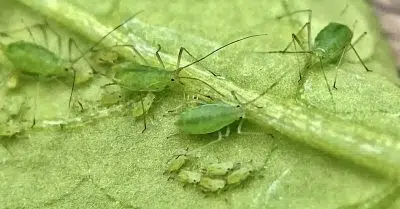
(239, 175)
(177, 163)
(209, 118)
(189, 177)
(32, 59)
(220, 169)
(329, 47)
(208, 184)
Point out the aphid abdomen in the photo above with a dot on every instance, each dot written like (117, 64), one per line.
(331, 41)
(208, 118)
(136, 77)
(34, 59)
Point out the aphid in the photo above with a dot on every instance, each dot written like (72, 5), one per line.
(33, 59)
(383, 200)
(189, 177)
(220, 169)
(145, 78)
(30, 58)
(209, 118)
(176, 163)
(208, 184)
(239, 175)
(329, 47)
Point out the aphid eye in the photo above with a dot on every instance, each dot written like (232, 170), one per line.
(172, 79)
(237, 105)
(66, 69)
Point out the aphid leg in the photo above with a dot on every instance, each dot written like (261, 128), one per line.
(337, 68)
(35, 105)
(74, 71)
(183, 49)
(359, 58)
(159, 57)
(144, 114)
(71, 42)
(228, 131)
(105, 36)
(359, 39)
(295, 39)
(5, 33)
(29, 30)
(308, 24)
(239, 128)
(285, 50)
(178, 62)
(57, 36)
(327, 84)
(219, 139)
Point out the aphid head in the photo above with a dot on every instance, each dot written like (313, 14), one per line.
(320, 52)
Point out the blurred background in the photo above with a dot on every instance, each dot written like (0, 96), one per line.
(388, 12)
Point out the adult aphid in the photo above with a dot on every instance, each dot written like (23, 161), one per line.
(210, 118)
(30, 58)
(329, 46)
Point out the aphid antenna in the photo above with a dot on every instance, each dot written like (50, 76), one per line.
(101, 39)
(185, 77)
(234, 94)
(294, 12)
(179, 69)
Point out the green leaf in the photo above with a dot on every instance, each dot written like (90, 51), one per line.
(106, 162)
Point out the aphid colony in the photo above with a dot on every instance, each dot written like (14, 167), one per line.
(214, 177)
